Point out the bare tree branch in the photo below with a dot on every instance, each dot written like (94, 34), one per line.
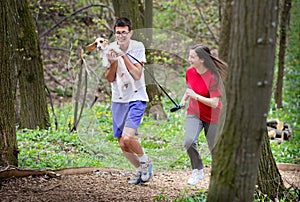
(204, 20)
(83, 64)
(73, 14)
(52, 107)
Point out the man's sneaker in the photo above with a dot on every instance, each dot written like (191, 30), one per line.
(147, 172)
(136, 179)
(196, 176)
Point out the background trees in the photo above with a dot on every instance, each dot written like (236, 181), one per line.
(65, 27)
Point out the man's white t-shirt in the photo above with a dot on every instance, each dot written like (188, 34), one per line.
(137, 50)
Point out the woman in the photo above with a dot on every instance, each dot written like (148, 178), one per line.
(203, 80)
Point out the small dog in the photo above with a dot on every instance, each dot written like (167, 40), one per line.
(123, 77)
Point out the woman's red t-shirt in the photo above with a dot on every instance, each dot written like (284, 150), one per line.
(205, 85)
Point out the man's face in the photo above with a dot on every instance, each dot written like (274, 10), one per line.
(123, 35)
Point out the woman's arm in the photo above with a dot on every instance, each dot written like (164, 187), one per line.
(211, 102)
(184, 99)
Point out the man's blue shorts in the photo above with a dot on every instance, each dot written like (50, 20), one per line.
(127, 115)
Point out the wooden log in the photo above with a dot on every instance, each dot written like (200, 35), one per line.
(272, 123)
(279, 129)
(272, 134)
(280, 125)
(12, 171)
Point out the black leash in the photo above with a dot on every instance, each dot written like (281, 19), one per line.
(177, 106)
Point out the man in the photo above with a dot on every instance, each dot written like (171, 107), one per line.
(127, 111)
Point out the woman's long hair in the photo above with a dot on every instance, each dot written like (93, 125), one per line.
(215, 65)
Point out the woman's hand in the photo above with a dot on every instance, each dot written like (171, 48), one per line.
(211, 102)
(189, 92)
(183, 100)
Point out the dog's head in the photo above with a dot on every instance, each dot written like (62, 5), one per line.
(100, 43)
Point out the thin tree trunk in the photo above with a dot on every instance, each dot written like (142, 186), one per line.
(8, 140)
(284, 23)
(132, 10)
(225, 31)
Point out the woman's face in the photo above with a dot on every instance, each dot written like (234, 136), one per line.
(194, 60)
(123, 35)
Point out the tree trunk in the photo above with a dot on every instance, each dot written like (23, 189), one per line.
(284, 23)
(154, 107)
(268, 177)
(148, 22)
(131, 10)
(33, 103)
(267, 171)
(248, 88)
(225, 31)
(8, 140)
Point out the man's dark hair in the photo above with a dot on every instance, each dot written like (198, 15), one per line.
(123, 22)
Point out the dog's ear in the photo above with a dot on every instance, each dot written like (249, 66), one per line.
(91, 47)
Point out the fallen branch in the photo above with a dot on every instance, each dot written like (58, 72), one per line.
(12, 171)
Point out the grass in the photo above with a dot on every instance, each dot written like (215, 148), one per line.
(94, 145)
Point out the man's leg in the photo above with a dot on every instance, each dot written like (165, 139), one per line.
(132, 157)
(134, 146)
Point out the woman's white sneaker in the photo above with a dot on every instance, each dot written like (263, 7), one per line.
(196, 176)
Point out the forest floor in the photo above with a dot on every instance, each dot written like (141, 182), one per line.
(106, 184)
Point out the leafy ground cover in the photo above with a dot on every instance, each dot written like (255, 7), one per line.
(162, 140)
(93, 144)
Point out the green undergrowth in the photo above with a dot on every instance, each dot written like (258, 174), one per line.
(93, 144)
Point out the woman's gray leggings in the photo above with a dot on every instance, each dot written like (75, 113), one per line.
(193, 128)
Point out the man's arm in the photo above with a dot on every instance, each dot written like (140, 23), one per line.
(134, 69)
(110, 73)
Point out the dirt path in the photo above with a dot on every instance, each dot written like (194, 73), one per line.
(108, 185)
